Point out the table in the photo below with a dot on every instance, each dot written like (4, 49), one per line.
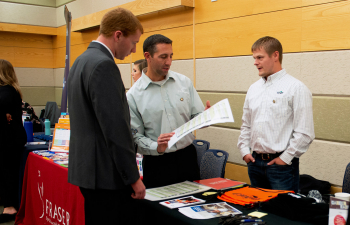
(48, 198)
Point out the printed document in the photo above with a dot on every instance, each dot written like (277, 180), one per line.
(218, 113)
(174, 191)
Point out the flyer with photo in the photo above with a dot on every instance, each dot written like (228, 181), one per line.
(209, 211)
(181, 202)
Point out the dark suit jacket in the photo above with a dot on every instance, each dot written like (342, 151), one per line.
(101, 151)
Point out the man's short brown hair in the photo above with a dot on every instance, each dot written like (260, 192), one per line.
(270, 45)
(119, 19)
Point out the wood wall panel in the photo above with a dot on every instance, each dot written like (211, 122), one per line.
(326, 27)
(7, 53)
(167, 19)
(138, 7)
(182, 38)
(212, 11)
(237, 172)
(76, 37)
(236, 36)
(28, 57)
(316, 2)
(76, 50)
(27, 29)
(33, 57)
(26, 40)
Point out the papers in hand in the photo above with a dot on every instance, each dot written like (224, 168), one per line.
(209, 211)
(218, 113)
(174, 191)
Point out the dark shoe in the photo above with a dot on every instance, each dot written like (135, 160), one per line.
(7, 217)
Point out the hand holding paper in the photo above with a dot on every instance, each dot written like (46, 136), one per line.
(218, 113)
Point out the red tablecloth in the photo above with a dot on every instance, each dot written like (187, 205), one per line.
(47, 197)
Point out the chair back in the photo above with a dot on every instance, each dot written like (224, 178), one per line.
(201, 147)
(213, 164)
(52, 112)
(346, 180)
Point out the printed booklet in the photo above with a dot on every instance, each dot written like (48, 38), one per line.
(181, 202)
(220, 183)
(209, 211)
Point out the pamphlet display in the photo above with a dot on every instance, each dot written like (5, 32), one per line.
(218, 113)
(338, 211)
(174, 191)
(209, 211)
(220, 183)
(181, 202)
(61, 136)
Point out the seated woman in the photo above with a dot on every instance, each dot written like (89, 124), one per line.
(139, 65)
(28, 109)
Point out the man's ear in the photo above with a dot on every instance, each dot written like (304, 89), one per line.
(117, 35)
(276, 55)
(147, 55)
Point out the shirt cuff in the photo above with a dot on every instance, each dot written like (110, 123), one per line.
(153, 149)
(244, 152)
(287, 158)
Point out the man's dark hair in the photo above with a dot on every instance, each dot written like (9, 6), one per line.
(149, 45)
(270, 45)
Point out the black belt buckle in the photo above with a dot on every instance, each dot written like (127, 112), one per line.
(267, 156)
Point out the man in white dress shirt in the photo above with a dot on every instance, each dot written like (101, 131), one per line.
(277, 123)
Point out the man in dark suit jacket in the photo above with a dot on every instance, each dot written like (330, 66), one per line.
(102, 159)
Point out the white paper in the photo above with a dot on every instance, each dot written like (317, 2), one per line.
(174, 191)
(181, 202)
(218, 113)
(209, 211)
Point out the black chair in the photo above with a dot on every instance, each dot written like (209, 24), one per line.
(213, 164)
(346, 180)
(201, 147)
(52, 112)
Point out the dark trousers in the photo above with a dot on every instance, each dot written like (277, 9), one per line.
(110, 207)
(10, 158)
(277, 177)
(170, 168)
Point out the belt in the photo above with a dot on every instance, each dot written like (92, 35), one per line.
(267, 156)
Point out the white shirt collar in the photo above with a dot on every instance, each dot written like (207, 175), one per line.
(105, 46)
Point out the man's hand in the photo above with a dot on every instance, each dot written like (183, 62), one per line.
(207, 105)
(277, 161)
(139, 190)
(8, 117)
(248, 158)
(163, 141)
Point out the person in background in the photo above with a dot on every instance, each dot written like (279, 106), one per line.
(277, 121)
(29, 110)
(102, 158)
(161, 101)
(137, 69)
(12, 139)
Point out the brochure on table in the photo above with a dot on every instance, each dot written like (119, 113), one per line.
(218, 113)
(209, 211)
(181, 202)
(220, 183)
(61, 136)
(174, 191)
(338, 211)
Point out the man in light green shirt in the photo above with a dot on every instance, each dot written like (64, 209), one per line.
(161, 101)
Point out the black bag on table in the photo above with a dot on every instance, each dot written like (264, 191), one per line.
(296, 207)
(308, 183)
